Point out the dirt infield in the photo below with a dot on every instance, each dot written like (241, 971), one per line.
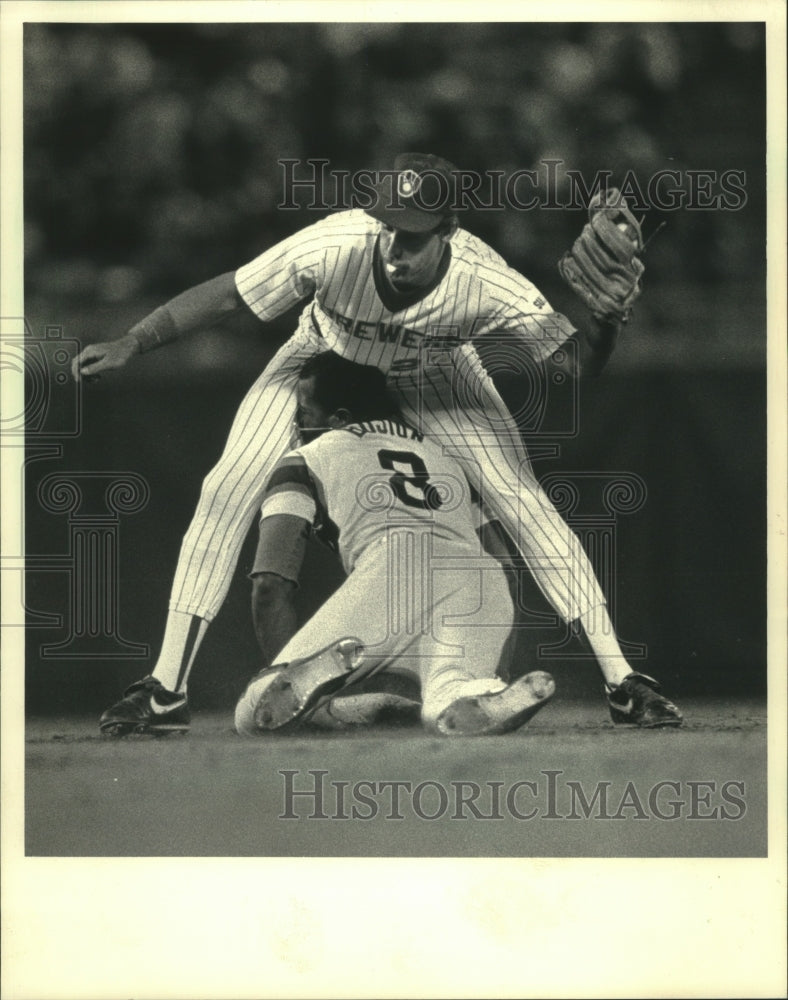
(567, 785)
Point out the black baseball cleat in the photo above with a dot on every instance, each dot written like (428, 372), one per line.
(283, 694)
(500, 711)
(637, 702)
(147, 707)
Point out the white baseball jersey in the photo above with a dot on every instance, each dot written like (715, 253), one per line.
(359, 316)
(357, 482)
(424, 342)
(420, 594)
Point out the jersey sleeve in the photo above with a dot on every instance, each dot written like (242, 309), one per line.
(289, 508)
(290, 490)
(287, 273)
(512, 305)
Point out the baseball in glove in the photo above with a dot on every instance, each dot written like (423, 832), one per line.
(603, 267)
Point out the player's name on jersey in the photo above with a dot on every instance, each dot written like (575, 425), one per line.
(385, 333)
(384, 427)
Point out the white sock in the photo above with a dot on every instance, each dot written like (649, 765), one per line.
(602, 638)
(182, 638)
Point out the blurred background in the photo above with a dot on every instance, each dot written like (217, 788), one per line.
(150, 164)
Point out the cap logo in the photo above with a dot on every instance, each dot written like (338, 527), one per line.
(408, 184)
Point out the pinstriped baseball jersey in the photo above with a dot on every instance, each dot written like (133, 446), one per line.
(399, 479)
(358, 315)
(424, 342)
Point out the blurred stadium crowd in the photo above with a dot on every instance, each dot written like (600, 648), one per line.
(151, 150)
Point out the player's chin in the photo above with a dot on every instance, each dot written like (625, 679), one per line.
(402, 282)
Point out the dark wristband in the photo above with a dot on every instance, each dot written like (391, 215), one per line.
(155, 330)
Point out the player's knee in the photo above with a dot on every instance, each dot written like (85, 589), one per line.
(218, 490)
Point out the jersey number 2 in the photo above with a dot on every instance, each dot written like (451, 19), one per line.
(415, 489)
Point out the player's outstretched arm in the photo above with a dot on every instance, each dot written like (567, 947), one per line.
(597, 342)
(281, 548)
(197, 308)
(273, 613)
(604, 269)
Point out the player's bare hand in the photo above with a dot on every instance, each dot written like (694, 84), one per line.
(97, 358)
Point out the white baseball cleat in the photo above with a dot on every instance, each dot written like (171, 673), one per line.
(499, 711)
(284, 693)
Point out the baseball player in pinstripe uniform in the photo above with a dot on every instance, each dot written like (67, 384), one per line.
(402, 287)
(421, 603)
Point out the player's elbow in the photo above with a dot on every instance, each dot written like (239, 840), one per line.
(269, 590)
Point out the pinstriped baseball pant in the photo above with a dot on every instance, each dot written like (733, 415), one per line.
(456, 404)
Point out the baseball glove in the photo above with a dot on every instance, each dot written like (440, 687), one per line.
(603, 267)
